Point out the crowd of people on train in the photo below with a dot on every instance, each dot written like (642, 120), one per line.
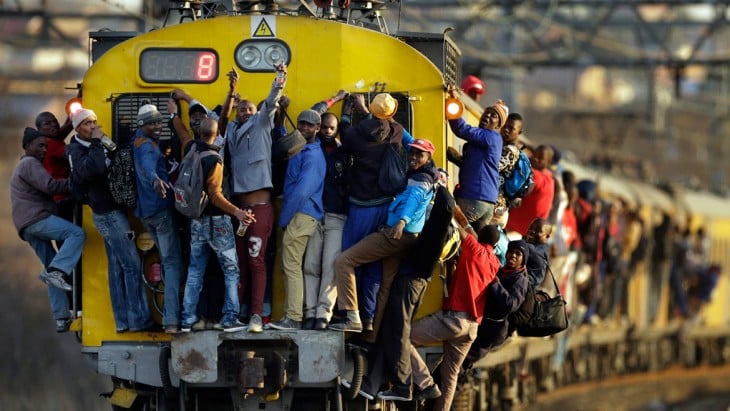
(353, 248)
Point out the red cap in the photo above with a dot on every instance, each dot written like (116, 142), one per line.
(423, 145)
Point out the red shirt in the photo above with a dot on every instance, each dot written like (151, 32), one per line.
(56, 163)
(537, 204)
(475, 269)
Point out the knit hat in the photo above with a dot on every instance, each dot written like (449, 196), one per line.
(502, 111)
(79, 117)
(423, 145)
(489, 234)
(148, 113)
(309, 116)
(520, 245)
(29, 135)
(383, 106)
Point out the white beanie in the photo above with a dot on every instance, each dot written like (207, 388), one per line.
(80, 116)
(148, 113)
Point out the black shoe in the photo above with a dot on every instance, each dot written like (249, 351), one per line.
(308, 323)
(430, 393)
(396, 394)
(366, 390)
(320, 324)
(62, 324)
(367, 324)
(348, 325)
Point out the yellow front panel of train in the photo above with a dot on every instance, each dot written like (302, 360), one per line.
(323, 56)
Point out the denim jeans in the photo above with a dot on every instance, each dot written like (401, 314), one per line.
(39, 235)
(164, 232)
(479, 213)
(128, 298)
(211, 233)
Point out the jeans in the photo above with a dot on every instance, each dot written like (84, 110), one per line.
(479, 213)
(126, 290)
(165, 235)
(211, 233)
(362, 221)
(323, 247)
(39, 235)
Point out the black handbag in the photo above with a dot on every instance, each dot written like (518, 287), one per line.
(285, 147)
(549, 315)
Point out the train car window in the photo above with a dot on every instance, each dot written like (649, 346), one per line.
(162, 65)
(259, 55)
(124, 115)
(403, 115)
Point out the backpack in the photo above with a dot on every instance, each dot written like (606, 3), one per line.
(190, 196)
(393, 173)
(519, 182)
(122, 177)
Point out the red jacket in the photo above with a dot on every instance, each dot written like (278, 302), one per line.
(56, 163)
(537, 204)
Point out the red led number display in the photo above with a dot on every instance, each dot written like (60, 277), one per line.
(178, 65)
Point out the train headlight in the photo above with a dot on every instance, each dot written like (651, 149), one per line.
(453, 108)
(260, 55)
(73, 106)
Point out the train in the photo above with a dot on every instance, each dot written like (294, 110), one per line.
(303, 369)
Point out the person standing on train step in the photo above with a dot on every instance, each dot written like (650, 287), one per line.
(213, 230)
(55, 160)
(405, 220)
(538, 203)
(89, 160)
(301, 211)
(364, 146)
(456, 324)
(35, 216)
(248, 143)
(325, 244)
(479, 169)
(155, 208)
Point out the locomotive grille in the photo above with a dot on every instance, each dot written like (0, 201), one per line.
(452, 69)
(124, 114)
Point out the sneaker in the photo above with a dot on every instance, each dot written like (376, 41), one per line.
(308, 323)
(396, 394)
(200, 325)
(430, 393)
(255, 325)
(347, 325)
(365, 390)
(367, 324)
(285, 323)
(186, 328)
(345, 383)
(62, 324)
(320, 324)
(233, 326)
(54, 278)
(171, 329)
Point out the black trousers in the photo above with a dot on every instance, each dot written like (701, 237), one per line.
(390, 359)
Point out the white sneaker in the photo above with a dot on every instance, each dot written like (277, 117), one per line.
(255, 325)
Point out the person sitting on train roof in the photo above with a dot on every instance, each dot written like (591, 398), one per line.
(463, 308)
(300, 212)
(538, 202)
(405, 220)
(35, 216)
(213, 230)
(479, 170)
(248, 143)
(365, 145)
(325, 244)
(55, 160)
(89, 161)
(155, 208)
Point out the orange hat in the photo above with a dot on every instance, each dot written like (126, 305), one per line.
(502, 111)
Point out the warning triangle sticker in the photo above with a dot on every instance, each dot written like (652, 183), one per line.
(263, 30)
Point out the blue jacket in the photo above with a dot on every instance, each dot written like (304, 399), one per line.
(303, 184)
(410, 205)
(149, 164)
(479, 172)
